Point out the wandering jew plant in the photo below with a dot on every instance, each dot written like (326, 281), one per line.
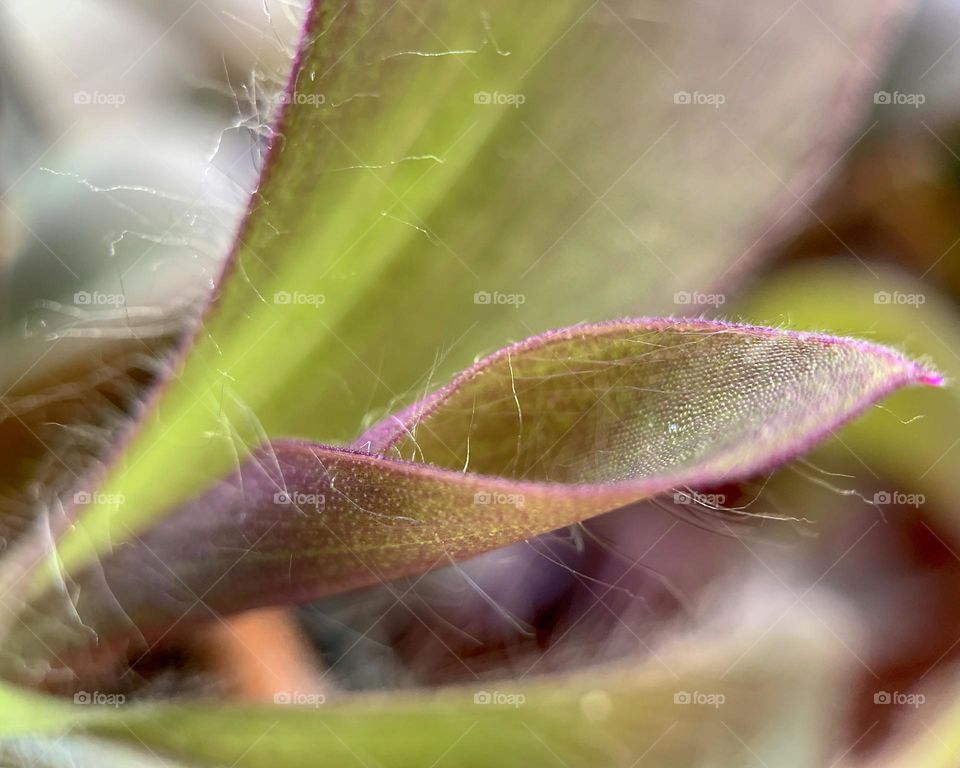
(443, 180)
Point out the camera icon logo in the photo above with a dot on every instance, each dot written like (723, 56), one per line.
(882, 697)
(482, 297)
(882, 497)
(882, 97)
(282, 497)
(682, 697)
(82, 497)
(482, 697)
(82, 697)
(482, 97)
(282, 297)
(682, 97)
(82, 98)
(682, 297)
(882, 297)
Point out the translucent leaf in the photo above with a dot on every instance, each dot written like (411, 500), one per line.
(890, 307)
(542, 434)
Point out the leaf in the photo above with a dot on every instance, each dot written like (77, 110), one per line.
(889, 307)
(772, 700)
(394, 197)
(545, 433)
(889, 304)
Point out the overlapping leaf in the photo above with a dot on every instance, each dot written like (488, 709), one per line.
(408, 163)
(540, 435)
(447, 169)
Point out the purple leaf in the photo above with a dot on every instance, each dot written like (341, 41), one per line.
(542, 434)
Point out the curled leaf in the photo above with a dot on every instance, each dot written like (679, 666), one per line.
(542, 434)
(495, 152)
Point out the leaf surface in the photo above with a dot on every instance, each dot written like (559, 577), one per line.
(548, 432)
(414, 211)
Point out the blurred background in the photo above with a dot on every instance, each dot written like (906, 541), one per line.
(131, 134)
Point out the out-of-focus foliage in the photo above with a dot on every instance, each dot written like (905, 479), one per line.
(584, 720)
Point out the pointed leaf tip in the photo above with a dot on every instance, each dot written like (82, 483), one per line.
(542, 434)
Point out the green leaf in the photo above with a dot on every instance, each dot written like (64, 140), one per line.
(545, 433)
(394, 194)
(735, 699)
